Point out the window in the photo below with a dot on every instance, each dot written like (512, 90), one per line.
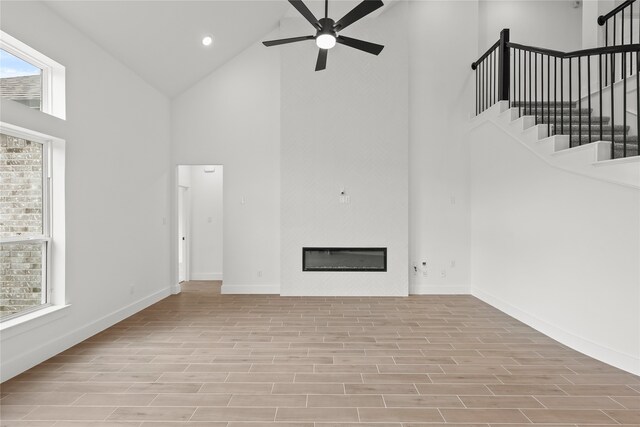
(24, 224)
(31, 78)
(20, 80)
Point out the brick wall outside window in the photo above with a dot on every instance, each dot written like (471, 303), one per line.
(21, 214)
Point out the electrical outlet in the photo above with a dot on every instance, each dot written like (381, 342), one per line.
(424, 273)
(453, 263)
(132, 289)
(443, 273)
(259, 273)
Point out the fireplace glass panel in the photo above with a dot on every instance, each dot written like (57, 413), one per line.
(344, 259)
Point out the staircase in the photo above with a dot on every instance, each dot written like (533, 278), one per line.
(537, 135)
(568, 119)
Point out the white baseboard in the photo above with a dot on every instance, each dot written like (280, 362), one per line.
(605, 354)
(33, 356)
(176, 289)
(205, 276)
(417, 289)
(250, 289)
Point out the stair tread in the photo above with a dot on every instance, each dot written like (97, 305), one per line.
(575, 119)
(631, 139)
(543, 103)
(558, 111)
(585, 127)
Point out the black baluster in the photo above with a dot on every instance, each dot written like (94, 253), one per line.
(589, 92)
(476, 72)
(638, 100)
(623, 70)
(606, 59)
(549, 95)
(513, 70)
(613, 64)
(600, 91)
(484, 101)
(562, 95)
(555, 95)
(535, 82)
(541, 87)
(530, 82)
(493, 78)
(570, 104)
(612, 106)
(490, 79)
(630, 37)
(624, 103)
(519, 85)
(579, 101)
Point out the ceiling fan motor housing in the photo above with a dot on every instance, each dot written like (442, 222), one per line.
(327, 27)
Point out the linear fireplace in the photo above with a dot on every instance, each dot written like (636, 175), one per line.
(344, 259)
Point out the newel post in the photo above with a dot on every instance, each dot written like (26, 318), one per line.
(504, 64)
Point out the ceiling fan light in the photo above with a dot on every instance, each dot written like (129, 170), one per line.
(325, 41)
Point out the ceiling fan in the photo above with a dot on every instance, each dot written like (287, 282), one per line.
(326, 30)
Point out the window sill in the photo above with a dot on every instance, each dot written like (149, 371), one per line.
(22, 324)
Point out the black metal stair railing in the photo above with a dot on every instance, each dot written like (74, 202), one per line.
(561, 90)
(615, 35)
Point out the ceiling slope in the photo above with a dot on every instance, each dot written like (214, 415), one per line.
(161, 40)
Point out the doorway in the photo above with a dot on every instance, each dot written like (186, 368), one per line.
(200, 223)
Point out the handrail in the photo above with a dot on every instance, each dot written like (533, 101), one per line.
(487, 53)
(604, 18)
(559, 54)
(579, 53)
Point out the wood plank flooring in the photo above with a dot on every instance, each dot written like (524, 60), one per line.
(205, 359)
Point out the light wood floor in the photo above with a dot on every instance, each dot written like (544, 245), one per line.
(210, 360)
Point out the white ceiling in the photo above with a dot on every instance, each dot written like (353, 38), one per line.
(161, 39)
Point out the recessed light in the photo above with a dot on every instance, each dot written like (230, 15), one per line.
(207, 40)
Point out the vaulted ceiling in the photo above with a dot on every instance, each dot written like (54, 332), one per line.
(161, 40)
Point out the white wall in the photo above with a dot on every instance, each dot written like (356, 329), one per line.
(552, 24)
(232, 118)
(556, 250)
(346, 126)
(206, 223)
(117, 159)
(441, 98)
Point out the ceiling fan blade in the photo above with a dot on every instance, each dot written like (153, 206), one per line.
(358, 12)
(321, 64)
(289, 40)
(304, 11)
(368, 47)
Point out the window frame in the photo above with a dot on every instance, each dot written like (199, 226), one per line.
(52, 96)
(47, 218)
